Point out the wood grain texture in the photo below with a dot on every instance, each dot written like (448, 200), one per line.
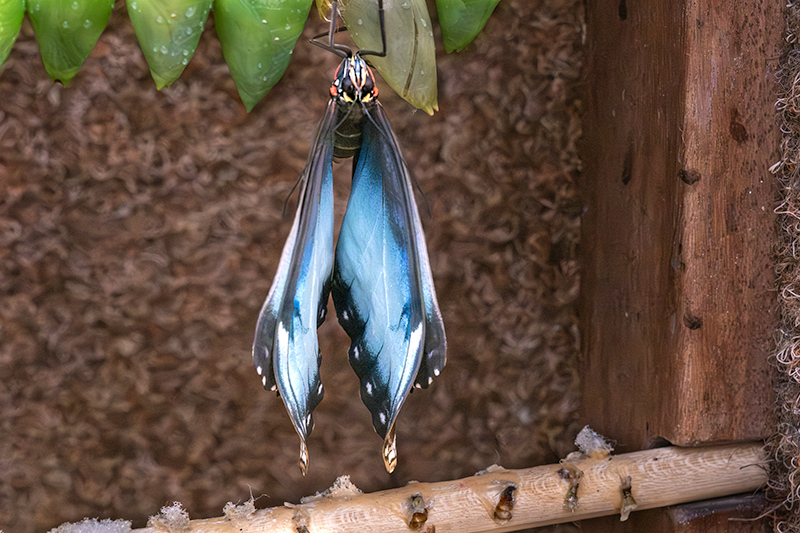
(678, 232)
(659, 477)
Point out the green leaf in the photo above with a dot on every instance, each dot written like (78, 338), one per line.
(258, 37)
(410, 63)
(67, 30)
(462, 20)
(168, 32)
(11, 13)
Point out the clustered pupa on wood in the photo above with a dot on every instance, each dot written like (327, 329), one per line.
(418, 511)
(571, 475)
(628, 502)
(505, 504)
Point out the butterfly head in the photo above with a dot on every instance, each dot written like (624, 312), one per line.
(354, 81)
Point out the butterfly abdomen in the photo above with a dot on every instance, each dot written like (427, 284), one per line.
(347, 137)
(347, 140)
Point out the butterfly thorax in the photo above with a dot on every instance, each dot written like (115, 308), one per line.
(355, 93)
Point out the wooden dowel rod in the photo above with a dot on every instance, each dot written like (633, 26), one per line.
(508, 500)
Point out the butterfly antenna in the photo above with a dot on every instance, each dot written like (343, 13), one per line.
(422, 194)
(288, 196)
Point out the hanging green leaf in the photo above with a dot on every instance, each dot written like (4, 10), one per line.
(11, 13)
(462, 20)
(410, 63)
(258, 37)
(168, 32)
(67, 30)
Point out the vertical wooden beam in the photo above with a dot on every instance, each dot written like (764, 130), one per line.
(677, 296)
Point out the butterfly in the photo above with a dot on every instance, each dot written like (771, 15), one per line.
(379, 273)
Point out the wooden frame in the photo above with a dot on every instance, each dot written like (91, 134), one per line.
(678, 235)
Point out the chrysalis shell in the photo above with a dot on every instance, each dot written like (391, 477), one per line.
(168, 32)
(67, 30)
(410, 64)
(324, 7)
(462, 20)
(257, 39)
(11, 13)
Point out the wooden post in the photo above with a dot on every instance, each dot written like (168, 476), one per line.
(677, 297)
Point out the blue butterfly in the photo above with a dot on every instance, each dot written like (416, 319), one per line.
(379, 274)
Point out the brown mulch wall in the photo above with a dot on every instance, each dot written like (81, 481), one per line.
(784, 483)
(139, 232)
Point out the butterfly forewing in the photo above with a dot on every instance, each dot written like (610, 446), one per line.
(382, 285)
(286, 349)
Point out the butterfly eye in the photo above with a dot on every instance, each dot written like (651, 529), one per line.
(368, 88)
(347, 90)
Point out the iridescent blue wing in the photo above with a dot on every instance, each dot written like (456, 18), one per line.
(286, 349)
(382, 285)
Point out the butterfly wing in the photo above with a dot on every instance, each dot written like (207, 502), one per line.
(434, 353)
(382, 285)
(286, 349)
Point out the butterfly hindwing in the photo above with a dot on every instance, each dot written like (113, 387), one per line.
(434, 354)
(286, 349)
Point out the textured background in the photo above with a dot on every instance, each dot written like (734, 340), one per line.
(139, 232)
(784, 483)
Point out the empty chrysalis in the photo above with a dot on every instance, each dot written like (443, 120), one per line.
(409, 66)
